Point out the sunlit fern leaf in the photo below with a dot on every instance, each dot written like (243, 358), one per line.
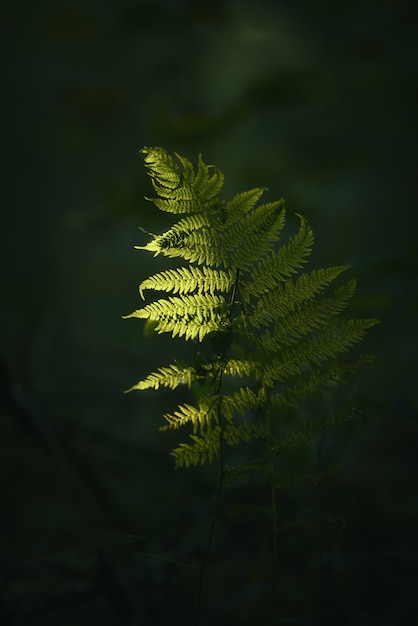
(192, 316)
(201, 417)
(185, 205)
(182, 280)
(188, 173)
(245, 368)
(241, 204)
(249, 368)
(207, 185)
(171, 376)
(204, 448)
(180, 190)
(162, 169)
(202, 246)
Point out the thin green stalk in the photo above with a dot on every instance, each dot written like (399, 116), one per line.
(202, 569)
(274, 521)
(220, 420)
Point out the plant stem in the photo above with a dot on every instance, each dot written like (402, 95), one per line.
(220, 420)
(274, 522)
(202, 569)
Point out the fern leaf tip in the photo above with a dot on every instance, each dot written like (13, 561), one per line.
(127, 317)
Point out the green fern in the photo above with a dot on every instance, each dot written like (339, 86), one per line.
(239, 293)
(272, 334)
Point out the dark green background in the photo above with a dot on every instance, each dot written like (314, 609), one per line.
(316, 101)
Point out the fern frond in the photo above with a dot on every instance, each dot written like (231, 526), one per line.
(315, 350)
(204, 280)
(280, 264)
(206, 445)
(203, 245)
(201, 417)
(245, 431)
(271, 332)
(171, 376)
(309, 431)
(187, 170)
(252, 237)
(233, 434)
(188, 224)
(285, 298)
(191, 316)
(205, 185)
(250, 368)
(244, 398)
(270, 327)
(294, 395)
(309, 316)
(339, 369)
(204, 448)
(241, 204)
(180, 190)
(163, 171)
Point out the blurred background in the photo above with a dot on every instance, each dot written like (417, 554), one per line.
(317, 102)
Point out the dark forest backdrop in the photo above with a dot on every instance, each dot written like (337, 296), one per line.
(315, 100)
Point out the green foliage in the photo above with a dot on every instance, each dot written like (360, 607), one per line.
(272, 331)
(271, 340)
